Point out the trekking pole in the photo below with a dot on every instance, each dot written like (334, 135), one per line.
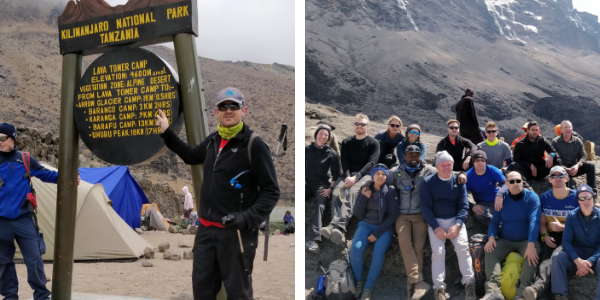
(282, 139)
(246, 267)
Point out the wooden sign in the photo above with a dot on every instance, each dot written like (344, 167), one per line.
(116, 105)
(89, 26)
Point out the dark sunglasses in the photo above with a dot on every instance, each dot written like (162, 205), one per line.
(491, 131)
(585, 198)
(3, 138)
(360, 124)
(394, 125)
(453, 127)
(414, 132)
(232, 106)
(515, 180)
(557, 176)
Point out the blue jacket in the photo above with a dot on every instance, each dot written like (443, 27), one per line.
(580, 238)
(388, 209)
(404, 143)
(16, 183)
(520, 219)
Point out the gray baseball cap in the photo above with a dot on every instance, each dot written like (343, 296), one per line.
(232, 94)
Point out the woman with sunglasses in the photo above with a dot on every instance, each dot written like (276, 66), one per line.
(388, 140)
(377, 209)
(413, 137)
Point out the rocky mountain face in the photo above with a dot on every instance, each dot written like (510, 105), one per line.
(30, 83)
(525, 60)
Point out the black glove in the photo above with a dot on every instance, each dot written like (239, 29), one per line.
(234, 220)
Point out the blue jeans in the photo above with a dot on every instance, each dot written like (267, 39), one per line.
(561, 263)
(21, 229)
(359, 244)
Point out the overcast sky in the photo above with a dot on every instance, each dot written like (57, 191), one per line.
(591, 6)
(260, 31)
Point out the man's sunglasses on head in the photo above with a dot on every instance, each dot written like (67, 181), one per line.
(414, 132)
(232, 106)
(360, 124)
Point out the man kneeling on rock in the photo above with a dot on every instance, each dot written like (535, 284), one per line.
(581, 244)
(520, 218)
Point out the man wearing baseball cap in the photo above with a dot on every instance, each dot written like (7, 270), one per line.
(483, 181)
(238, 194)
(556, 205)
(17, 217)
(411, 227)
(581, 244)
(444, 206)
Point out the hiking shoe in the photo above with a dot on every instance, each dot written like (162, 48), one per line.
(439, 294)
(337, 236)
(326, 231)
(366, 294)
(530, 293)
(470, 291)
(313, 247)
(359, 288)
(560, 297)
(493, 296)
(420, 289)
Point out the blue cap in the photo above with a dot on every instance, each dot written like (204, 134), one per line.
(9, 130)
(379, 167)
(585, 188)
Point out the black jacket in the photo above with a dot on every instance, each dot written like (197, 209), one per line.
(317, 163)
(218, 197)
(463, 146)
(465, 113)
(527, 152)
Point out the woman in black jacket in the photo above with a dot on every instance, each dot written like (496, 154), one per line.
(319, 160)
(377, 209)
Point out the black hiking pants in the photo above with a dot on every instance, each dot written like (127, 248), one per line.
(313, 190)
(217, 258)
(588, 169)
(542, 280)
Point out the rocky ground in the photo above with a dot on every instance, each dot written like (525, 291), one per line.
(392, 279)
(172, 280)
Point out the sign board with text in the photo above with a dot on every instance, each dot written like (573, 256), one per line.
(93, 24)
(117, 101)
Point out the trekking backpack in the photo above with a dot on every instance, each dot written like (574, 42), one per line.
(511, 273)
(476, 246)
(339, 280)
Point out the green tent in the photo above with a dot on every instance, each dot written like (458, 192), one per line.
(276, 218)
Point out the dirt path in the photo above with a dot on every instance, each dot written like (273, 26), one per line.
(273, 279)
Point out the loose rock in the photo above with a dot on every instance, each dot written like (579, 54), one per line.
(143, 228)
(168, 254)
(176, 256)
(162, 247)
(188, 254)
(147, 263)
(185, 244)
(148, 253)
(192, 229)
(139, 231)
(172, 229)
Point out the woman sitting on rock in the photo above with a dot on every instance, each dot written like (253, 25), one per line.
(377, 209)
(413, 137)
(388, 141)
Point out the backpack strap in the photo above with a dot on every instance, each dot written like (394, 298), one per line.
(253, 136)
(27, 164)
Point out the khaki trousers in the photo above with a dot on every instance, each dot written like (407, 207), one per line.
(412, 233)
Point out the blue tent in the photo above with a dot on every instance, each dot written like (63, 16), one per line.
(123, 190)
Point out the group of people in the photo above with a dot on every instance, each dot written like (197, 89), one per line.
(400, 194)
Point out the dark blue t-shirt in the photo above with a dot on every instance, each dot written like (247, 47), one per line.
(484, 188)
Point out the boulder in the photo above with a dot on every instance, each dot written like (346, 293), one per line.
(172, 229)
(147, 263)
(148, 253)
(176, 256)
(164, 246)
(188, 254)
(192, 229)
(185, 244)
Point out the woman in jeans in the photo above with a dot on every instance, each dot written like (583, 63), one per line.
(377, 210)
(413, 137)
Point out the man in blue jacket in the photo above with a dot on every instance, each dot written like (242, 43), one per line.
(16, 219)
(483, 181)
(581, 244)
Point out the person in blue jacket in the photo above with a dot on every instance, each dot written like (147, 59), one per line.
(412, 137)
(483, 181)
(581, 244)
(16, 219)
(377, 209)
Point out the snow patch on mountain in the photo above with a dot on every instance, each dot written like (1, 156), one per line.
(402, 4)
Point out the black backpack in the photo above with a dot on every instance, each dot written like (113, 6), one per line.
(476, 246)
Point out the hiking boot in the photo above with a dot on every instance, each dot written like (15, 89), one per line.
(359, 288)
(493, 296)
(589, 150)
(560, 297)
(326, 231)
(337, 236)
(470, 291)
(420, 289)
(530, 293)
(439, 294)
(366, 294)
(313, 247)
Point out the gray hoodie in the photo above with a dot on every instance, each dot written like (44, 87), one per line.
(409, 189)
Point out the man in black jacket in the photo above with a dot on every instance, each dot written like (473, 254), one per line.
(458, 147)
(529, 154)
(467, 117)
(236, 186)
(359, 154)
